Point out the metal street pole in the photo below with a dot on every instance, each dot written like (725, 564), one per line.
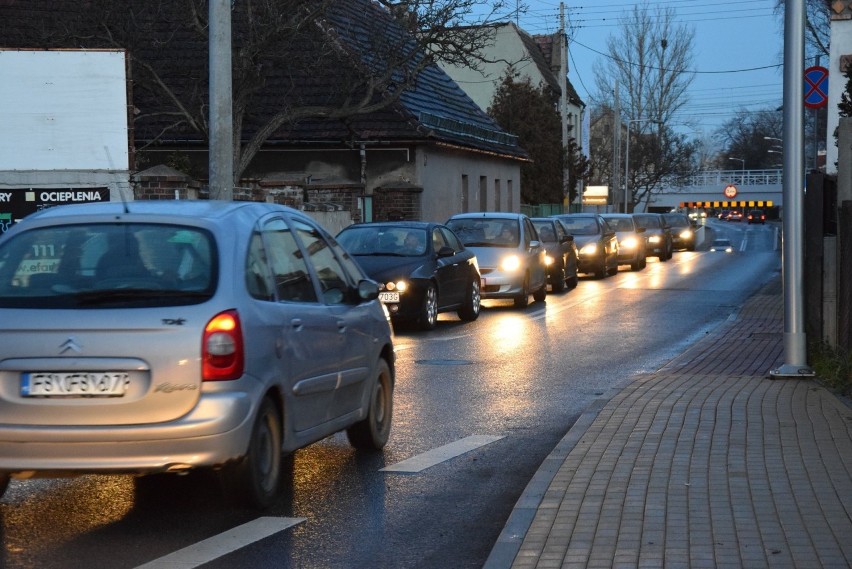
(742, 166)
(792, 250)
(221, 153)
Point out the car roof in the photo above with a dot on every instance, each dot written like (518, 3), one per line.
(489, 215)
(208, 209)
(615, 215)
(408, 224)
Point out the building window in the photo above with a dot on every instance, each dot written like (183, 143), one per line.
(510, 196)
(483, 193)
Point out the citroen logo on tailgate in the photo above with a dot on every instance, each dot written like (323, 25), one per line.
(70, 345)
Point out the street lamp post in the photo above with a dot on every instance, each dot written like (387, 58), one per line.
(627, 155)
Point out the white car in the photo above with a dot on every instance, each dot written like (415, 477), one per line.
(721, 246)
(165, 336)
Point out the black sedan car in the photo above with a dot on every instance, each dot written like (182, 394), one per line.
(596, 242)
(561, 251)
(422, 269)
(658, 235)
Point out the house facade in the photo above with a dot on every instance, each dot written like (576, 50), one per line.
(426, 153)
(537, 58)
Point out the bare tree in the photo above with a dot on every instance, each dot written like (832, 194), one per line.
(817, 24)
(753, 137)
(322, 59)
(650, 60)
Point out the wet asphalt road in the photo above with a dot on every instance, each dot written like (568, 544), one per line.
(515, 378)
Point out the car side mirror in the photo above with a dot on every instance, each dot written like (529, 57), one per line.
(535, 244)
(368, 290)
(446, 251)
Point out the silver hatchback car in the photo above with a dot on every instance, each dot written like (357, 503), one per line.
(165, 336)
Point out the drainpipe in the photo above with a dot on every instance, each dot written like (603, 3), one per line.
(366, 201)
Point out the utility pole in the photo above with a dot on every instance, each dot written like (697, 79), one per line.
(221, 151)
(792, 250)
(616, 149)
(563, 100)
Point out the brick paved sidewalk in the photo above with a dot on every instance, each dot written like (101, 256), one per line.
(705, 463)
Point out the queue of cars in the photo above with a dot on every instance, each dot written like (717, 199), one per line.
(158, 337)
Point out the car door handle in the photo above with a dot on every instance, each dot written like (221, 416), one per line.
(341, 326)
(296, 323)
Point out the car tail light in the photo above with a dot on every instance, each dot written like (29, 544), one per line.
(222, 351)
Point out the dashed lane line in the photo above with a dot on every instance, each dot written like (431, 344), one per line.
(222, 544)
(441, 454)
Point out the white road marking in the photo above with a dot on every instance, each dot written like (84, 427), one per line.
(441, 454)
(222, 544)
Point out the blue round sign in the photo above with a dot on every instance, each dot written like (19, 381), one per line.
(816, 87)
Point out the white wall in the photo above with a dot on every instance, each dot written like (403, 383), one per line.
(63, 110)
(506, 49)
(440, 172)
(841, 44)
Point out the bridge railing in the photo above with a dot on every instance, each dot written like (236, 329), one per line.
(736, 177)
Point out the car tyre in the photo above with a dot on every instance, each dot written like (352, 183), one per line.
(636, 265)
(541, 293)
(372, 432)
(429, 308)
(522, 300)
(472, 302)
(254, 481)
(558, 283)
(4, 482)
(573, 281)
(601, 271)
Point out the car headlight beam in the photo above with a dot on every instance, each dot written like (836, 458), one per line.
(510, 263)
(590, 249)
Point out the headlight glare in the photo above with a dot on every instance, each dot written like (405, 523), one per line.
(629, 243)
(548, 260)
(686, 234)
(590, 249)
(654, 239)
(511, 263)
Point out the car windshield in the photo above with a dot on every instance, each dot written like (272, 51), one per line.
(649, 221)
(92, 265)
(545, 230)
(677, 220)
(580, 225)
(383, 240)
(721, 243)
(621, 223)
(486, 232)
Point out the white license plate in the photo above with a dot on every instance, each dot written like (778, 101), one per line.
(74, 384)
(389, 296)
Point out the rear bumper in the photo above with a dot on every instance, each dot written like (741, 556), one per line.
(218, 430)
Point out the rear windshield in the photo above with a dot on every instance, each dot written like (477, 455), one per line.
(107, 265)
